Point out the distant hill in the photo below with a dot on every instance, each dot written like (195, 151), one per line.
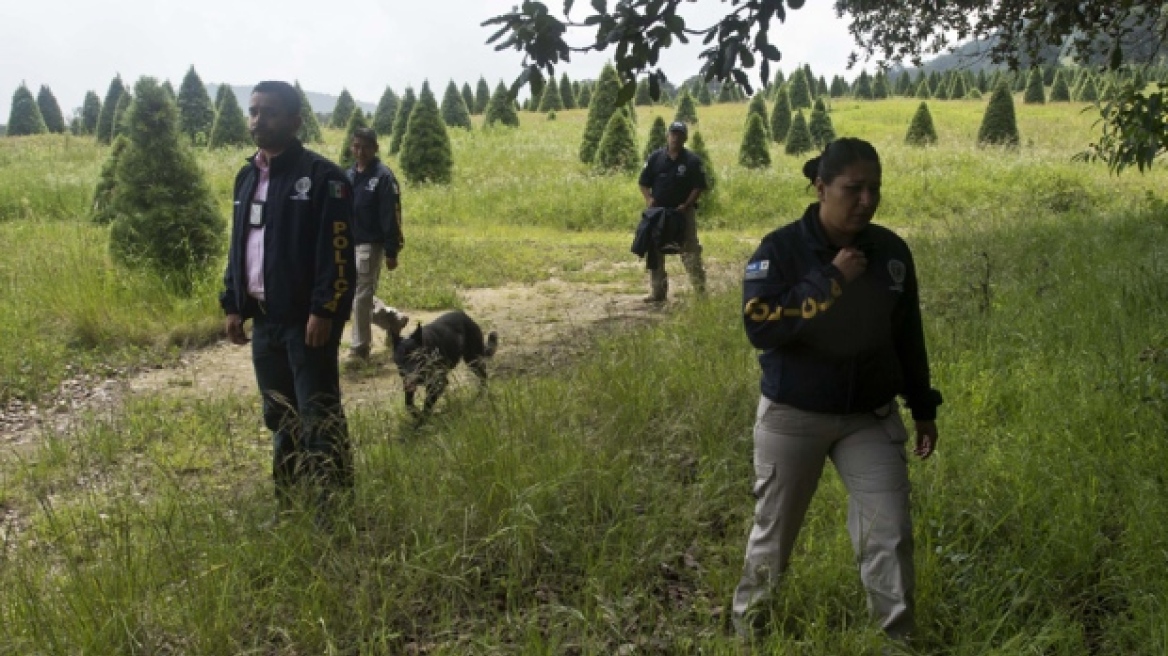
(322, 103)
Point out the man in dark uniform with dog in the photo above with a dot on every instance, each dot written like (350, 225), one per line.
(674, 177)
(291, 270)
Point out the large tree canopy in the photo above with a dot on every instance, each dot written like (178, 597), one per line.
(1093, 31)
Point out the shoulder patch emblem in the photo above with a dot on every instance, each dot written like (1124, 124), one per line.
(371, 185)
(302, 186)
(338, 189)
(758, 270)
(681, 170)
(898, 271)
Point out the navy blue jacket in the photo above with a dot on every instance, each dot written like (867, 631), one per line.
(830, 346)
(377, 207)
(309, 266)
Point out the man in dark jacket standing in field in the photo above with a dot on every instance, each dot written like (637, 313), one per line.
(673, 177)
(376, 230)
(291, 270)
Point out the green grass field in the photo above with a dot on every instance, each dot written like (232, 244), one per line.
(602, 508)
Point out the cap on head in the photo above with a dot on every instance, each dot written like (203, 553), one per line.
(678, 126)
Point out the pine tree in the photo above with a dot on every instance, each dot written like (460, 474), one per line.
(600, 110)
(958, 88)
(864, 86)
(1020, 81)
(120, 111)
(567, 95)
(101, 211)
(165, 218)
(584, 98)
(309, 125)
(195, 111)
(386, 112)
(754, 153)
(617, 150)
(221, 91)
(482, 97)
(698, 147)
(342, 110)
(982, 81)
(821, 88)
(169, 89)
(941, 91)
(998, 125)
(923, 90)
(642, 97)
(230, 128)
(704, 98)
(356, 122)
(550, 100)
(454, 110)
(1088, 92)
(903, 84)
(686, 112)
(401, 120)
(798, 92)
(799, 137)
(921, 131)
(725, 93)
(501, 108)
(25, 117)
(658, 137)
(1035, 93)
(50, 110)
(1060, 92)
(839, 87)
(880, 86)
(467, 96)
(105, 120)
(821, 128)
(425, 154)
(758, 107)
(90, 112)
(781, 116)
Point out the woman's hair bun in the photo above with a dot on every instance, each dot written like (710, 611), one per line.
(811, 169)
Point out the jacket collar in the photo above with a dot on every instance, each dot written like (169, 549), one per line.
(285, 159)
(369, 170)
(815, 235)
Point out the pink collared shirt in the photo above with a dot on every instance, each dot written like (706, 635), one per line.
(254, 260)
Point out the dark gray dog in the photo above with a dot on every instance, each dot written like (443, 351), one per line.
(428, 355)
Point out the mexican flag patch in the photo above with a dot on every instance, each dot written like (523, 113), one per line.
(338, 189)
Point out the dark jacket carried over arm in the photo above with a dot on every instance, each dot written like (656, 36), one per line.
(309, 266)
(661, 231)
(830, 346)
(377, 207)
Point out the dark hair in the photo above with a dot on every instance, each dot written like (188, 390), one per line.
(287, 94)
(839, 155)
(366, 134)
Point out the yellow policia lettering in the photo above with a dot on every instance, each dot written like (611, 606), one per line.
(339, 227)
(757, 310)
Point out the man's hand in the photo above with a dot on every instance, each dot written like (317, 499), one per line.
(390, 262)
(234, 326)
(318, 331)
(926, 439)
(851, 262)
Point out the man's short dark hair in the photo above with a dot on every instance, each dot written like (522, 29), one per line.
(287, 94)
(366, 134)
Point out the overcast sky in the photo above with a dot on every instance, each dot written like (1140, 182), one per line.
(74, 46)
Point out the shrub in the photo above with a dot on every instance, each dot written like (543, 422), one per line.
(501, 109)
(1059, 91)
(309, 125)
(799, 136)
(105, 121)
(600, 110)
(342, 110)
(164, 217)
(754, 153)
(50, 110)
(25, 117)
(454, 110)
(617, 150)
(998, 125)
(401, 120)
(385, 113)
(921, 131)
(230, 128)
(658, 137)
(757, 107)
(1035, 93)
(196, 113)
(101, 210)
(781, 116)
(425, 152)
(821, 128)
(686, 112)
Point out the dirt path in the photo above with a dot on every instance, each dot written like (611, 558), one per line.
(540, 326)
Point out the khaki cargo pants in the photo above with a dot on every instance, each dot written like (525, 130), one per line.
(868, 449)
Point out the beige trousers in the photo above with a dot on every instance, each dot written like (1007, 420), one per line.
(868, 449)
(691, 258)
(369, 258)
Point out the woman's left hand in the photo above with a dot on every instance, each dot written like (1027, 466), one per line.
(926, 438)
